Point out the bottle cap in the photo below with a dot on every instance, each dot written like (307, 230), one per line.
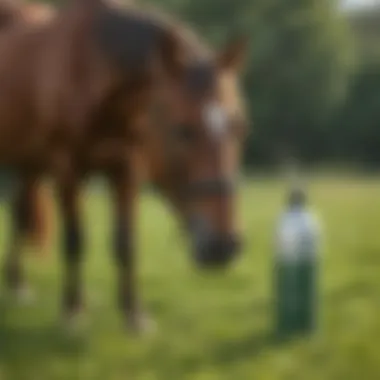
(297, 198)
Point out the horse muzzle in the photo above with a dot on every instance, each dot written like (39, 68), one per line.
(213, 249)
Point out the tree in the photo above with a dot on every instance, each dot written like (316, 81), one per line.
(357, 124)
(299, 76)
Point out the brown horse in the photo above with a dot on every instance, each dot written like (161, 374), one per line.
(101, 86)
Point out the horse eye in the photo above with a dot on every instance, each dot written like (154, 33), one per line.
(186, 133)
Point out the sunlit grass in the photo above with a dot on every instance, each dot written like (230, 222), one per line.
(214, 326)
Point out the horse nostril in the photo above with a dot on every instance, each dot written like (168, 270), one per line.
(219, 250)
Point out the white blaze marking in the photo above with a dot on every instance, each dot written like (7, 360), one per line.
(215, 118)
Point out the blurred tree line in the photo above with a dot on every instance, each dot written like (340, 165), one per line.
(359, 118)
(312, 78)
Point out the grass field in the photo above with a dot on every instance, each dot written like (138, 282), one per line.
(215, 326)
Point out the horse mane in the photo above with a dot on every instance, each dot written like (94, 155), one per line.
(133, 30)
(197, 49)
(10, 10)
(189, 39)
(192, 46)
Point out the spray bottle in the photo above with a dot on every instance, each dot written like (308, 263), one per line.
(296, 267)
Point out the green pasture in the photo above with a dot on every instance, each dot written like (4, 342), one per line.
(211, 326)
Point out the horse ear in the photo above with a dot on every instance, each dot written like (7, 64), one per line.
(171, 53)
(234, 54)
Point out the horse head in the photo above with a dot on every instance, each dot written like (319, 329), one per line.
(199, 127)
(197, 118)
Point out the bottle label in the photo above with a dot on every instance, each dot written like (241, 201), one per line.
(297, 237)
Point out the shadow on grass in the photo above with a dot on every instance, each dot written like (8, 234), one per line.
(358, 288)
(225, 352)
(251, 345)
(243, 349)
(228, 354)
(27, 346)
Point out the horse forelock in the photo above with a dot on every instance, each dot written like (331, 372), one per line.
(38, 12)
